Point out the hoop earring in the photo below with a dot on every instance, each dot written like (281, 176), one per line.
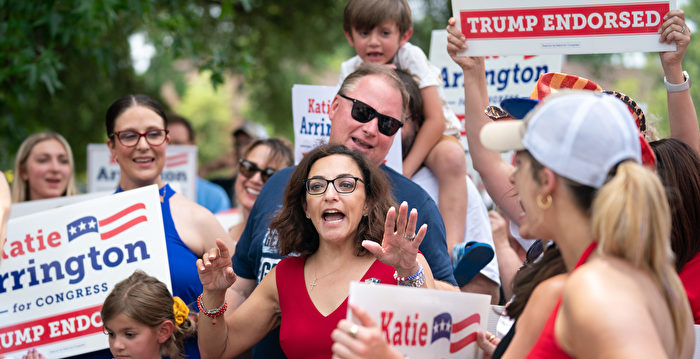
(544, 205)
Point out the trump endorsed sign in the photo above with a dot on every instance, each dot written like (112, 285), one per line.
(526, 27)
(59, 265)
(180, 169)
(424, 323)
(312, 126)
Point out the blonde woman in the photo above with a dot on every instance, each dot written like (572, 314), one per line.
(43, 168)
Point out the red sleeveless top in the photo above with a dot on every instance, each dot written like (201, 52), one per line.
(547, 346)
(304, 332)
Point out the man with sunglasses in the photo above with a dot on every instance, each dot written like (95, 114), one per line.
(365, 116)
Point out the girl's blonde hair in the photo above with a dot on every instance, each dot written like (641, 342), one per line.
(20, 187)
(632, 221)
(147, 300)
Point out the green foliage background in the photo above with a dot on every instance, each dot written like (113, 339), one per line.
(63, 62)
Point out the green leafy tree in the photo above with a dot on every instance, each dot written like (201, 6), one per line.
(63, 62)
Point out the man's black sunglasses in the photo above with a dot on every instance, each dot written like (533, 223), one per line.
(248, 169)
(364, 113)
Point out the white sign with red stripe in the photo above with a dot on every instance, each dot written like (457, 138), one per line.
(180, 169)
(59, 265)
(424, 323)
(312, 126)
(529, 27)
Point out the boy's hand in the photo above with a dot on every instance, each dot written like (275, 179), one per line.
(456, 43)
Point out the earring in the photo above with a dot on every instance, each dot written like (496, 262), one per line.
(544, 205)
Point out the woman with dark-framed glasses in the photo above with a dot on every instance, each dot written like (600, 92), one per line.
(339, 219)
(137, 139)
(259, 161)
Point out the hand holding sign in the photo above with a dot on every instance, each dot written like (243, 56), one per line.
(216, 271)
(399, 248)
(456, 44)
(366, 341)
(673, 30)
(487, 342)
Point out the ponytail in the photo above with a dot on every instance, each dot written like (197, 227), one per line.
(632, 221)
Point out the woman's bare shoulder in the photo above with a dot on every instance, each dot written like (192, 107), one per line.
(197, 227)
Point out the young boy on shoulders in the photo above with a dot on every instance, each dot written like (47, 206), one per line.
(379, 31)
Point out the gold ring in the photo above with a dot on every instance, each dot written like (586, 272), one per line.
(353, 330)
(491, 337)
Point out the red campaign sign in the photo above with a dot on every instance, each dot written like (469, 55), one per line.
(566, 21)
(51, 329)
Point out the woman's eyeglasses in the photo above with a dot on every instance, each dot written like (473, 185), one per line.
(364, 113)
(343, 184)
(249, 169)
(131, 138)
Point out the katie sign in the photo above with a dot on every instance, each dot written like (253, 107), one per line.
(180, 169)
(59, 265)
(525, 27)
(424, 323)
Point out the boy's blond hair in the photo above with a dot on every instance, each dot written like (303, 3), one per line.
(368, 14)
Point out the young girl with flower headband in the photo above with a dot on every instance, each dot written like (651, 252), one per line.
(144, 321)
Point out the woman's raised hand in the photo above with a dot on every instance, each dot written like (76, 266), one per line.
(215, 269)
(400, 244)
(456, 43)
(674, 29)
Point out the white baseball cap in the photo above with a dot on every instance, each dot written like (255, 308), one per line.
(580, 135)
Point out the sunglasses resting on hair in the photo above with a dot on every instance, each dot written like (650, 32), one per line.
(364, 113)
(249, 169)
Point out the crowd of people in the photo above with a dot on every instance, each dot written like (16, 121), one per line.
(596, 234)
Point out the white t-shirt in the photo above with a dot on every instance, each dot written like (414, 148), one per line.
(412, 59)
(478, 225)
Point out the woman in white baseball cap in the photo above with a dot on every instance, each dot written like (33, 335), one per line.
(579, 182)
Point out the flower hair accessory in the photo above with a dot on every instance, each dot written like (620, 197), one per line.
(180, 310)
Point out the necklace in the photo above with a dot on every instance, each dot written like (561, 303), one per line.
(316, 278)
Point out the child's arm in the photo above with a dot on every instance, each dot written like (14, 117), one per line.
(429, 134)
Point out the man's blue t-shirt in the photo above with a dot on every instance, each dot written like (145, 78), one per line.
(212, 196)
(256, 252)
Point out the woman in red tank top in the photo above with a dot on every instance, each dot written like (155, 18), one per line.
(337, 223)
(578, 177)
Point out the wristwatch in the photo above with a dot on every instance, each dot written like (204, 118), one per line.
(678, 87)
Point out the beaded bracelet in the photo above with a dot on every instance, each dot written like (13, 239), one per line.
(415, 280)
(409, 278)
(211, 313)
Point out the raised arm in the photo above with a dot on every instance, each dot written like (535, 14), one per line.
(227, 336)
(494, 171)
(682, 118)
